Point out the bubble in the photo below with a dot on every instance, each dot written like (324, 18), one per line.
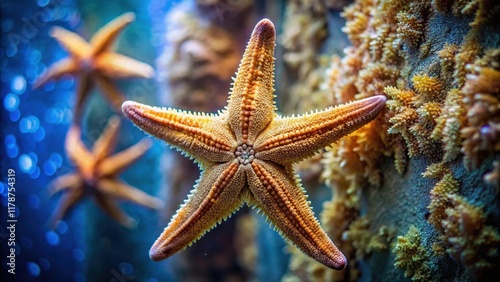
(11, 102)
(78, 255)
(29, 124)
(39, 135)
(54, 115)
(34, 201)
(42, 3)
(33, 269)
(36, 173)
(10, 141)
(56, 158)
(34, 157)
(26, 164)
(49, 167)
(31, 72)
(52, 238)
(18, 84)
(12, 151)
(62, 227)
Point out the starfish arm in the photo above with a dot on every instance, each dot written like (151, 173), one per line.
(251, 105)
(106, 36)
(109, 206)
(84, 85)
(117, 163)
(77, 152)
(72, 42)
(215, 198)
(56, 71)
(279, 195)
(67, 181)
(111, 93)
(120, 66)
(201, 136)
(68, 200)
(117, 188)
(106, 143)
(295, 138)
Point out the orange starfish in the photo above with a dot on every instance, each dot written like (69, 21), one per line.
(97, 174)
(246, 154)
(95, 62)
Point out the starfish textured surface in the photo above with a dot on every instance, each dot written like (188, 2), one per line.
(246, 154)
(95, 62)
(97, 175)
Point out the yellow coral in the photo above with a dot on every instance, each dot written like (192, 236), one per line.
(365, 241)
(428, 86)
(411, 26)
(447, 186)
(412, 256)
(471, 241)
(449, 123)
(447, 55)
(482, 132)
(436, 170)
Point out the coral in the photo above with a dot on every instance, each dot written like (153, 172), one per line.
(365, 241)
(447, 55)
(481, 133)
(448, 126)
(412, 23)
(412, 256)
(471, 241)
(447, 186)
(415, 114)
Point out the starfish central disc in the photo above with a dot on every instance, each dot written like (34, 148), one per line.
(245, 154)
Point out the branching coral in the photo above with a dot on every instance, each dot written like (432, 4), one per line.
(412, 256)
(482, 133)
(416, 113)
(412, 23)
(365, 241)
(449, 124)
(471, 241)
(446, 187)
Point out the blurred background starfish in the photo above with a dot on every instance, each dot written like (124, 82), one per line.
(94, 62)
(97, 172)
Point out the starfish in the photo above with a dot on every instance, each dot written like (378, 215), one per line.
(97, 174)
(95, 62)
(246, 152)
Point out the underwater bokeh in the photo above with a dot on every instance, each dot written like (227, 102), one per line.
(410, 196)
